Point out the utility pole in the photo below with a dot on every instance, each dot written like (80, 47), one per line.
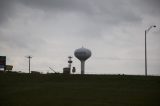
(145, 53)
(29, 57)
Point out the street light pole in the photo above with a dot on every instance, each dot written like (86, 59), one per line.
(145, 53)
(146, 31)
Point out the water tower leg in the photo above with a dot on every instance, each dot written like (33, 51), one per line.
(82, 67)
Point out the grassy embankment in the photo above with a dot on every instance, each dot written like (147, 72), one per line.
(77, 90)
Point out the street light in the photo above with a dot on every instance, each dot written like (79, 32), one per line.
(146, 31)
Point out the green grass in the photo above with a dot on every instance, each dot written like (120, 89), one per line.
(77, 90)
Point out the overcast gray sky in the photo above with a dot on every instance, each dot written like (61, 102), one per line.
(50, 31)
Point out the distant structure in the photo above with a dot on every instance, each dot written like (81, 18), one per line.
(67, 70)
(35, 72)
(9, 67)
(3, 62)
(69, 62)
(82, 54)
(73, 70)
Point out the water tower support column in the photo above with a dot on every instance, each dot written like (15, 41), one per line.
(82, 67)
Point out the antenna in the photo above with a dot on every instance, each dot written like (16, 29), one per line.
(29, 57)
(52, 70)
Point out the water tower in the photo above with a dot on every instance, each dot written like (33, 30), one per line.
(82, 54)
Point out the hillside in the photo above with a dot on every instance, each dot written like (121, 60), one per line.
(78, 90)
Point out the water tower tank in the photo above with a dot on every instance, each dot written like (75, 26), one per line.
(82, 54)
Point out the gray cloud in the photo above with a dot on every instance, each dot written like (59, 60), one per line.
(110, 12)
(147, 7)
(114, 11)
(5, 10)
